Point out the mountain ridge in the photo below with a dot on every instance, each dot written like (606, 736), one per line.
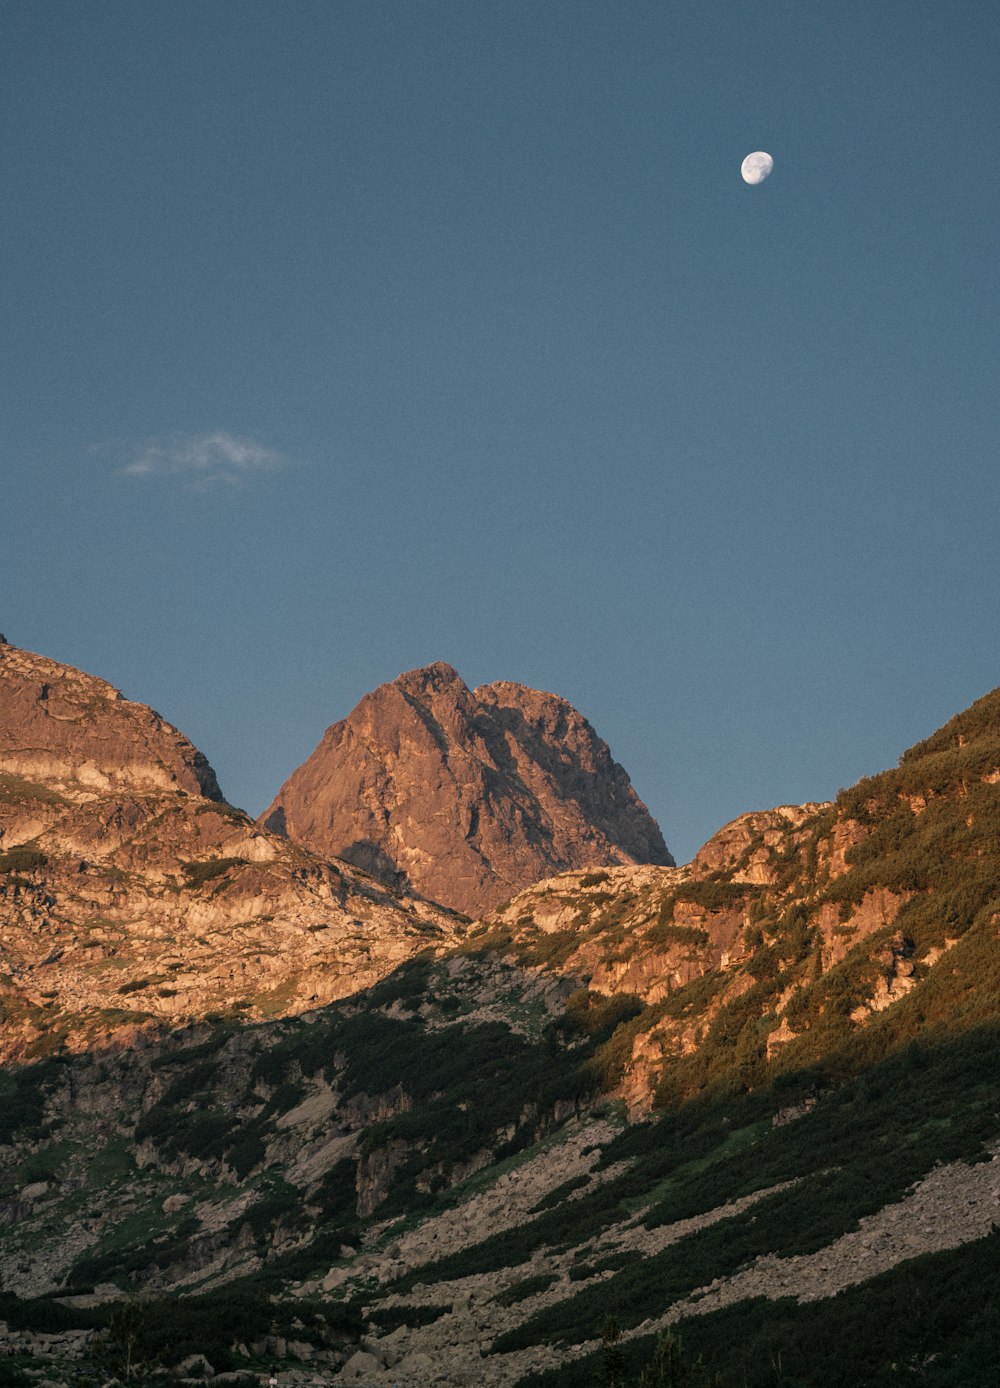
(132, 896)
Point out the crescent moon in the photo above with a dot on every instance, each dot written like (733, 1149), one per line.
(756, 167)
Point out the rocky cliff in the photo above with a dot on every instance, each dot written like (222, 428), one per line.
(464, 796)
(132, 896)
(82, 738)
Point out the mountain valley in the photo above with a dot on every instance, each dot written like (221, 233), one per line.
(277, 1110)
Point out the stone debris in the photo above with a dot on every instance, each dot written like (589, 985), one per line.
(953, 1205)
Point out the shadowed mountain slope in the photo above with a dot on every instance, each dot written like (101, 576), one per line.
(465, 796)
(429, 1183)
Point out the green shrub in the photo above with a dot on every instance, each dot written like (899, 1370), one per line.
(582, 1272)
(662, 934)
(336, 1195)
(597, 1015)
(530, 1286)
(202, 1134)
(23, 1091)
(274, 1208)
(390, 1318)
(611, 1058)
(197, 874)
(716, 892)
(932, 1320)
(557, 1196)
(548, 950)
(247, 1151)
(12, 1376)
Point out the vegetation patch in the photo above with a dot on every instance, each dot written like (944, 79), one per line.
(390, 1318)
(931, 1321)
(877, 1136)
(197, 874)
(23, 1093)
(665, 935)
(557, 1196)
(530, 1286)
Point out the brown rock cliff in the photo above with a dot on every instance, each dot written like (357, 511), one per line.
(132, 896)
(465, 796)
(67, 728)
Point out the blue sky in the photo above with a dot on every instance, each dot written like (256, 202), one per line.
(343, 337)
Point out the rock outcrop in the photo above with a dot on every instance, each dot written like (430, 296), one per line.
(465, 796)
(748, 841)
(81, 736)
(132, 895)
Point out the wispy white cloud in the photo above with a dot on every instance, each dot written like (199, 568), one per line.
(200, 460)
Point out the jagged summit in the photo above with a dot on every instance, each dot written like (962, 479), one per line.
(465, 796)
(437, 675)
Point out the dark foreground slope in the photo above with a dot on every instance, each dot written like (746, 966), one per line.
(440, 1180)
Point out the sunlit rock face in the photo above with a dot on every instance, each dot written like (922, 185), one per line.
(80, 735)
(133, 897)
(465, 796)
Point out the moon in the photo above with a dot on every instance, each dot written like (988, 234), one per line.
(756, 167)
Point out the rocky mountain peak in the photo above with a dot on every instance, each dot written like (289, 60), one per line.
(80, 734)
(465, 796)
(436, 677)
